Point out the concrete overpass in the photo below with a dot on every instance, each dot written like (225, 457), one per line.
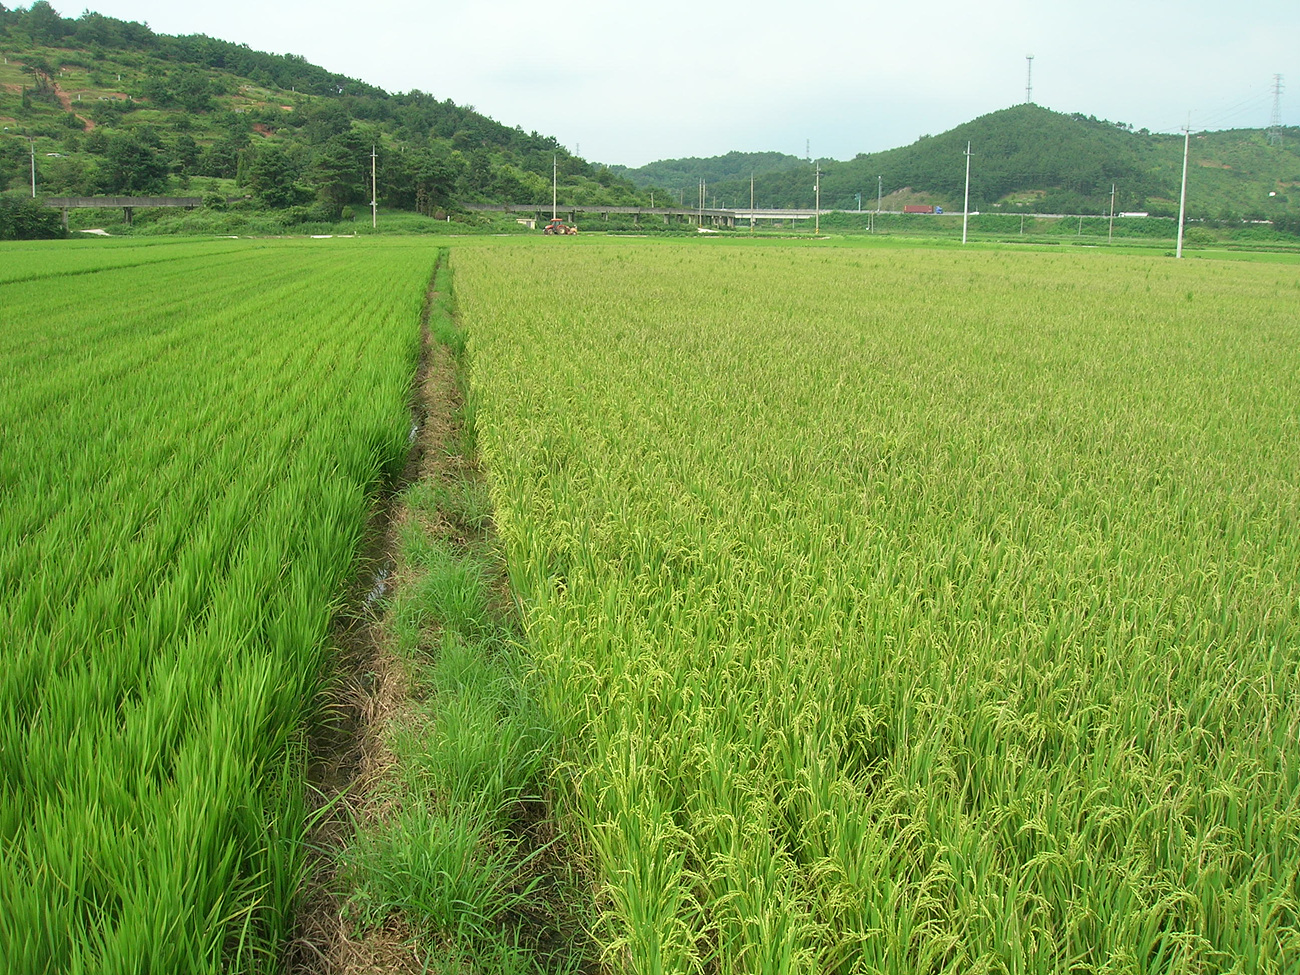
(715, 217)
(708, 216)
(127, 203)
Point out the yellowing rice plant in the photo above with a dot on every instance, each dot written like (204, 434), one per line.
(909, 611)
(191, 439)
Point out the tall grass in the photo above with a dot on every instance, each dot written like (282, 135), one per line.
(190, 448)
(909, 611)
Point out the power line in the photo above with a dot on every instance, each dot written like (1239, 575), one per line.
(1215, 118)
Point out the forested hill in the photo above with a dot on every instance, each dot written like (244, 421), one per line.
(114, 108)
(685, 174)
(1031, 158)
(110, 107)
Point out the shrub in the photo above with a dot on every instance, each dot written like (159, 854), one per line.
(26, 219)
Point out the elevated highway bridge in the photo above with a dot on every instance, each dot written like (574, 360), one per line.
(701, 216)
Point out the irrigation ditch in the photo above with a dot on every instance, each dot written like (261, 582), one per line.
(433, 844)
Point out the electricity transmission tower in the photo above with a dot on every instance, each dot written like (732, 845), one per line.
(1275, 123)
(1029, 79)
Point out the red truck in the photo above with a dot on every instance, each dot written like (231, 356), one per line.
(918, 208)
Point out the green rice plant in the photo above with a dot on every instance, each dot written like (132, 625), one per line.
(48, 260)
(193, 435)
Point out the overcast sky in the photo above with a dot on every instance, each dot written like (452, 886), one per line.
(678, 78)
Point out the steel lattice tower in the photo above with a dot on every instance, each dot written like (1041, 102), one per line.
(1275, 123)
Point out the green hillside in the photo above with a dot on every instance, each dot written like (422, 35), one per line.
(1028, 158)
(684, 175)
(110, 107)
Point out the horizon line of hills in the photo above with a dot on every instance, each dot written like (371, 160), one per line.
(113, 108)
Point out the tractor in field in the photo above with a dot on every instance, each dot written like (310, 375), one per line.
(559, 227)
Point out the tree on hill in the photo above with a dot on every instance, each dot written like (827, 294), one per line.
(423, 180)
(272, 177)
(337, 173)
(186, 88)
(131, 167)
(685, 174)
(43, 23)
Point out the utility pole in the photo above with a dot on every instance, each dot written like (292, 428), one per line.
(1182, 197)
(32, 142)
(1110, 234)
(965, 207)
(1029, 79)
(1275, 123)
(555, 175)
(374, 195)
(751, 201)
(817, 206)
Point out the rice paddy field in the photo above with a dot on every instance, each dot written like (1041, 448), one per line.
(909, 610)
(900, 609)
(191, 439)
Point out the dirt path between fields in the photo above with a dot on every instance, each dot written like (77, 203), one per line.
(368, 690)
(376, 693)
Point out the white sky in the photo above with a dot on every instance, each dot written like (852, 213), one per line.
(630, 85)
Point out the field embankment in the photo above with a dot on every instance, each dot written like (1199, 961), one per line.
(438, 851)
(909, 611)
